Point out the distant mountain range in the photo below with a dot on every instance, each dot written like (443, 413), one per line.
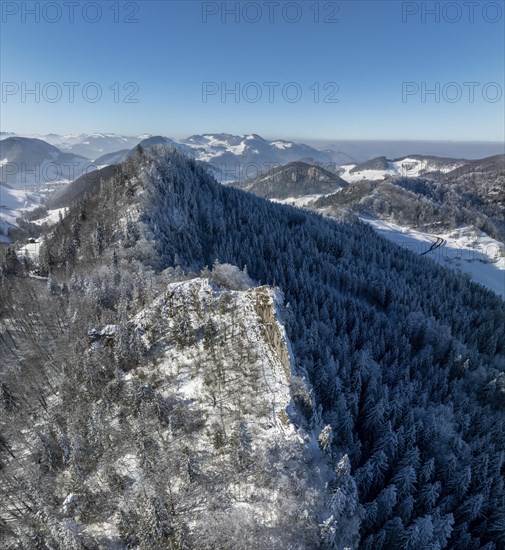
(423, 193)
(92, 146)
(228, 157)
(238, 158)
(417, 190)
(363, 150)
(121, 156)
(452, 183)
(27, 162)
(414, 201)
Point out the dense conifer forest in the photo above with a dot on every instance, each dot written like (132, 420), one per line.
(397, 383)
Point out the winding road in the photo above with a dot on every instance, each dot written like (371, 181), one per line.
(437, 244)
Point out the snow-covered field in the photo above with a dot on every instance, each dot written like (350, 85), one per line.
(407, 167)
(364, 174)
(465, 249)
(52, 216)
(13, 202)
(298, 201)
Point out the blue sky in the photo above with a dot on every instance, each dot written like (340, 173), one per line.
(382, 56)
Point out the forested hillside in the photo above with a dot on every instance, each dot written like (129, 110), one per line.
(419, 203)
(399, 374)
(294, 179)
(472, 194)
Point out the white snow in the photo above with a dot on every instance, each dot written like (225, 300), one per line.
(30, 250)
(72, 498)
(52, 217)
(205, 295)
(17, 199)
(299, 201)
(466, 249)
(407, 167)
(13, 202)
(215, 147)
(245, 380)
(282, 144)
(413, 167)
(367, 175)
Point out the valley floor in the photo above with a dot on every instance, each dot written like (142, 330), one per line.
(464, 249)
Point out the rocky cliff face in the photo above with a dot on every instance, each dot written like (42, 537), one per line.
(238, 462)
(267, 307)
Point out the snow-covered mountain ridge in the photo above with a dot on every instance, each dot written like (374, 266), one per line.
(410, 166)
(156, 383)
(238, 158)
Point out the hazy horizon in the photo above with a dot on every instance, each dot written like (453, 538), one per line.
(360, 149)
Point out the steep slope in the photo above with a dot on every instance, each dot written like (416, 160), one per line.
(112, 158)
(294, 179)
(160, 140)
(88, 183)
(406, 359)
(483, 183)
(120, 156)
(417, 203)
(197, 444)
(26, 162)
(228, 355)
